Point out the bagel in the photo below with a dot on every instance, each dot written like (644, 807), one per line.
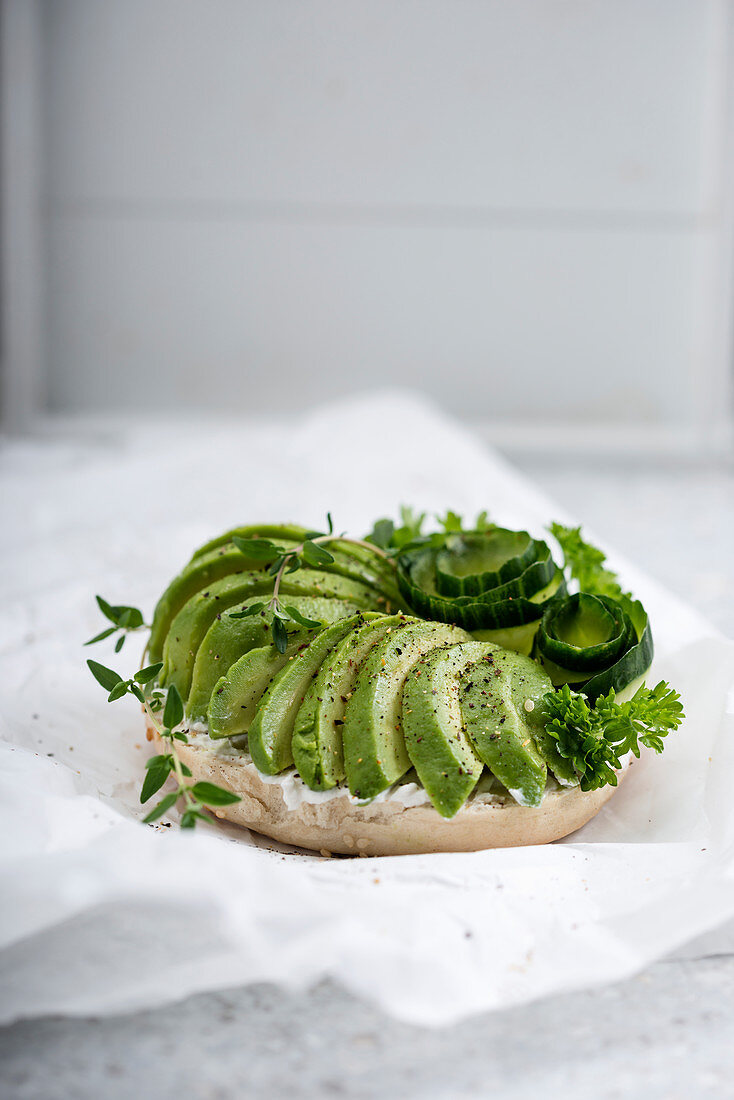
(335, 823)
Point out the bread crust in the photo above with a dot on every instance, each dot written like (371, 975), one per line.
(386, 828)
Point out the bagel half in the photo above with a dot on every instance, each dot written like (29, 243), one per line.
(384, 827)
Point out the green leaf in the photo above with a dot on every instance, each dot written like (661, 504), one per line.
(100, 637)
(595, 738)
(586, 563)
(164, 805)
(452, 521)
(382, 533)
(155, 761)
(145, 675)
(186, 770)
(107, 677)
(192, 815)
(482, 522)
(259, 549)
(330, 523)
(297, 617)
(130, 618)
(294, 564)
(119, 643)
(155, 776)
(118, 691)
(135, 690)
(412, 525)
(179, 735)
(174, 711)
(314, 554)
(212, 795)
(280, 635)
(253, 609)
(275, 566)
(108, 611)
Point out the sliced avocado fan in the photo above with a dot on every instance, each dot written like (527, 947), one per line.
(228, 639)
(271, 731)
(317, 745)
(374, 748)
(433, 727)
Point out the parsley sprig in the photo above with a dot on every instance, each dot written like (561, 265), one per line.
(595, 738)
(310, 552)
(196, 797)
(586, 563)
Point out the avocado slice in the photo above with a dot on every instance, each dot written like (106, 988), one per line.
(493, 694)
(317, 745)
(280, 533)
(227, 639)
(220, 557)
(195, 577)
(374, 748)
(433, 727)
(271, 730)
(354, 560)
(196, 616)
(235, 698)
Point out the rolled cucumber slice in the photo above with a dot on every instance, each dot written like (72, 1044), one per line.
(437, 582)
(374, 747)
(270, 733)
(318, 750)
(595, 643)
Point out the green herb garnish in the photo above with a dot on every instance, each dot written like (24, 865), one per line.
(196, 797)
(595, 738)
(310, 552)
(586, 563)
(123, 618)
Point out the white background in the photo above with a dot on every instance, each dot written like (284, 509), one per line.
(520, 209)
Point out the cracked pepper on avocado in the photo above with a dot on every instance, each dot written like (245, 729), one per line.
(457, 665)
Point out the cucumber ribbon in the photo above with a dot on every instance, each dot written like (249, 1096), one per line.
(480, 580)
(595, 643)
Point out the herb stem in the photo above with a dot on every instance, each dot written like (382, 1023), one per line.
(320, 539)
(177, 769)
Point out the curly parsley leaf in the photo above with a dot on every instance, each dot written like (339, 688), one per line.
(586, 563)
(596, 738)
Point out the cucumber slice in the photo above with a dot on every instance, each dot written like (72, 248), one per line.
(595, 643)
(513, 593)
(472, 564)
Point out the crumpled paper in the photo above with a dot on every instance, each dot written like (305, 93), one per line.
(101, 914)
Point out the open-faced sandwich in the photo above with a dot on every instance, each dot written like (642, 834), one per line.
(402, 693)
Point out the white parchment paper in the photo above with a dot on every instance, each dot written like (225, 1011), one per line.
(101, 914)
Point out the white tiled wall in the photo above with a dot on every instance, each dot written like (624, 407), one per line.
(518, 207)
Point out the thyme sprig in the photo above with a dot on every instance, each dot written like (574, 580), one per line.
(310, 552)
(196, 797)
(123, 618)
